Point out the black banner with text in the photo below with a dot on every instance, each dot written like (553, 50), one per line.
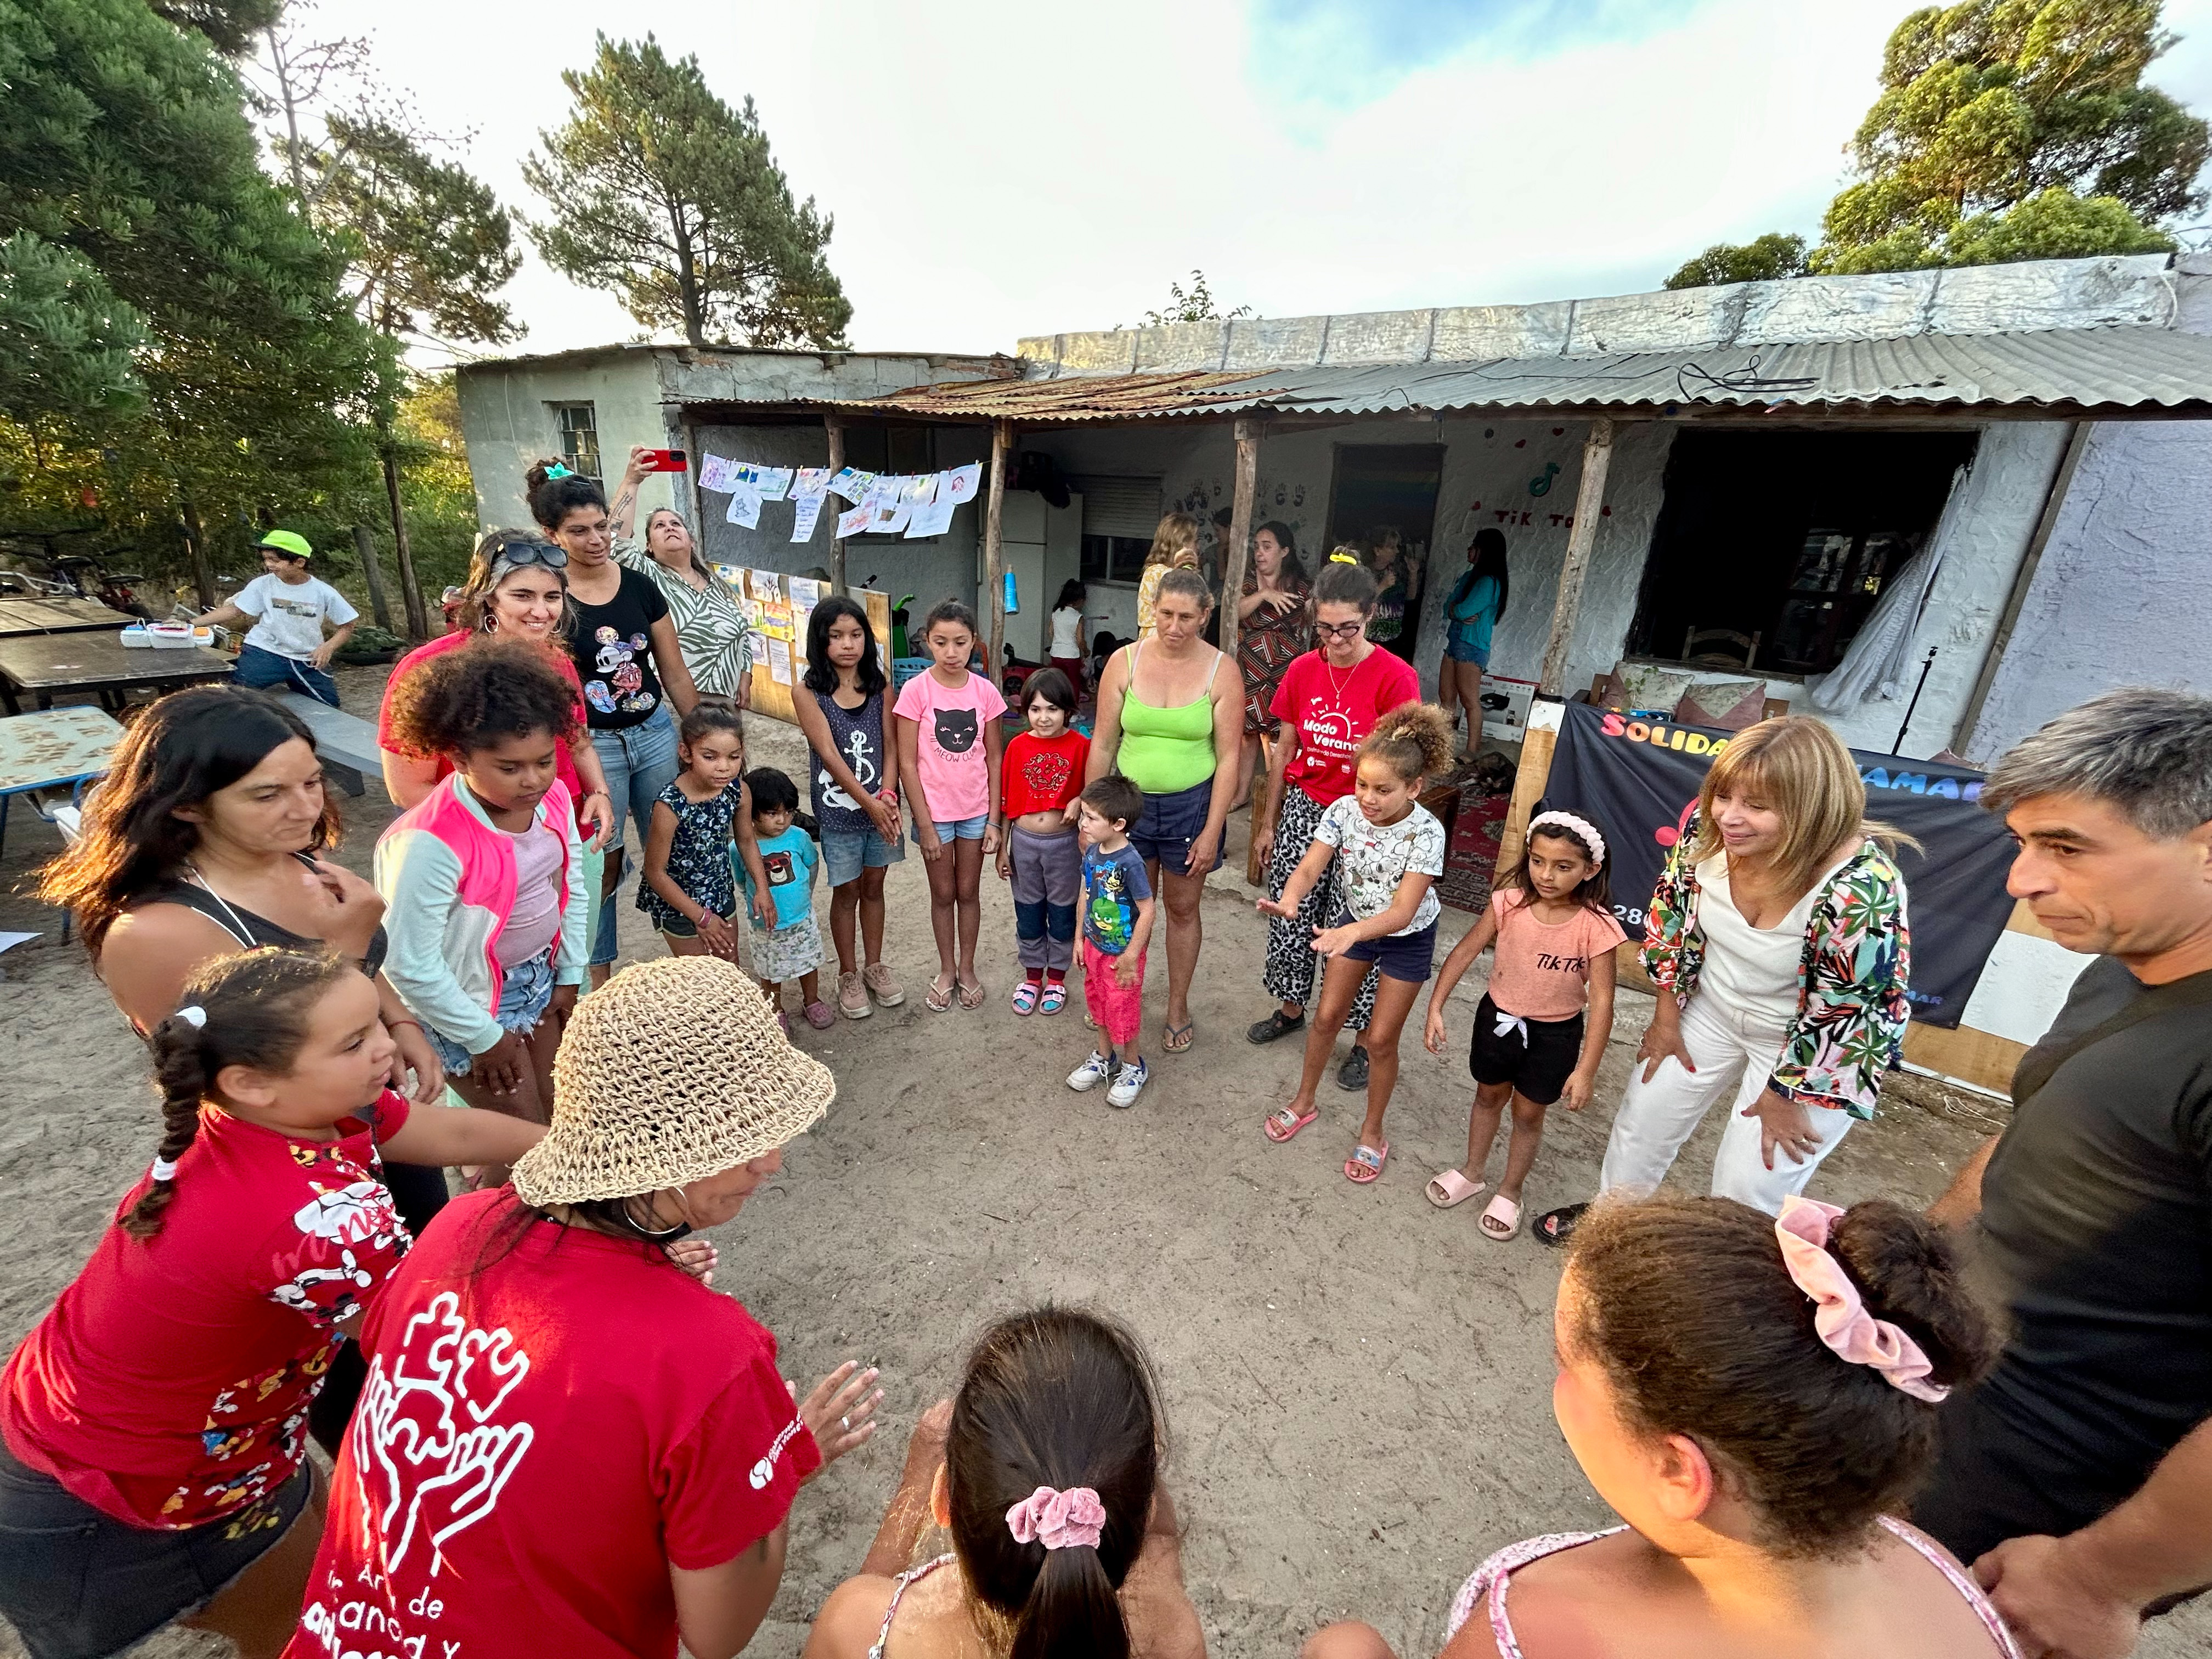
(1638, 781)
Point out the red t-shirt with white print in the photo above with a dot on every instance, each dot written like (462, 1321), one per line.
(168, 1385)
(1333, 710)
(552, 1418)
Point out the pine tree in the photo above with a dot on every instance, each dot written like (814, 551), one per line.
(663, 195)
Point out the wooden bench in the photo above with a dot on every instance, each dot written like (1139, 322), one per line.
(346, 743)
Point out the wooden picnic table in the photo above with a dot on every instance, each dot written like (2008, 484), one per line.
(57, 616)
(56, 748)
(46, 664)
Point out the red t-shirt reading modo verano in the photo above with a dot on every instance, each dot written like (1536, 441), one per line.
(546, 1429)
(168, 1385)
(1333, 710)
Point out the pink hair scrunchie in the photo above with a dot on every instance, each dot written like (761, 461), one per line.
(1843, 1322)
(1058, 1520)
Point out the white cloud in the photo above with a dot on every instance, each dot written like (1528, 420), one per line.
(997, 171)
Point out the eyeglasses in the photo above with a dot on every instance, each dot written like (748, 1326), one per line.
(1338, 630)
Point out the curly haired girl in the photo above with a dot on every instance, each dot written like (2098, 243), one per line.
(482, 878)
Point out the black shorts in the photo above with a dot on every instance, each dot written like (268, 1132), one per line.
(77, 1584)
(1536, 1056)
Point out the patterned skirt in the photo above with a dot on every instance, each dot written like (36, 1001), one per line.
(1292, 968)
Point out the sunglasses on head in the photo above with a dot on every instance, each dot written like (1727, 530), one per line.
(535, 552)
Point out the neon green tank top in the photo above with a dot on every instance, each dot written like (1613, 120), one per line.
(1166, 750)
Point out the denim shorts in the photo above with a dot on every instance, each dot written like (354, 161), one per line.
(77, 1584)
(846, 854)
(1459, 652)
(958, 829)
(523, 998)
(1411, 958)
(1168, 825)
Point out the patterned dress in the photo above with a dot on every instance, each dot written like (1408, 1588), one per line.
(1266, 642)
(698, 856)
(1851, 979)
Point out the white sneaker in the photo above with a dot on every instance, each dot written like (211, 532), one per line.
(1128, 1085)
(1089, 1075)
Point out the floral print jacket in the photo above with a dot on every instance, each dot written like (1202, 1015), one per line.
(1852, 1006)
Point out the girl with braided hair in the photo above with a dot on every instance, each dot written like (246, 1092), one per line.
(153, 1425)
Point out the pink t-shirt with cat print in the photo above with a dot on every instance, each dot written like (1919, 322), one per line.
(1541, 971)
(950, 742)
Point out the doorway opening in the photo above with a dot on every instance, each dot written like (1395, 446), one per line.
(1771, 547)
(1376, 487)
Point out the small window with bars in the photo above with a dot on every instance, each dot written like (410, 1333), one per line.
(579, 438)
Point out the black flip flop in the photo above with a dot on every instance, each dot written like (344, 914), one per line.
(1556, 1227)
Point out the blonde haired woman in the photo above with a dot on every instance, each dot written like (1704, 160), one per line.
(1776, 938)
(1174, 547)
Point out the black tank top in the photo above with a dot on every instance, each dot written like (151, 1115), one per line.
(249, 929)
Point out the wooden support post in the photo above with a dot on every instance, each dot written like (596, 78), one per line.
(689, 434)
(836, 434)
(1537, 744)
(364, 547)
(1249, 432)
(1590, 502)
(995, 553)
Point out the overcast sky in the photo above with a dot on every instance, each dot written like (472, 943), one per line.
(999, 170)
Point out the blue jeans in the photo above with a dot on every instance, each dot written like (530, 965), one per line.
(640, 763)
(265, 671)
(525, 992)
(957, 830)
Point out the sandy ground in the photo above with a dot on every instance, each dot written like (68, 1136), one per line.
(1358, 1385)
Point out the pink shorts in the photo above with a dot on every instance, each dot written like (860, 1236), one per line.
(1118, 1008)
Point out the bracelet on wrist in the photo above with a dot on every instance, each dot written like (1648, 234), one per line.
(393, 1024)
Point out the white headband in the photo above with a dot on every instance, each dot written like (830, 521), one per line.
(1581, 827)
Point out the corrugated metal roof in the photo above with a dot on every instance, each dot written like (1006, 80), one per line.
(2070, 368)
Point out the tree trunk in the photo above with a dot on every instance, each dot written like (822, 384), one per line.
(411, 592)
(195, 548)
(364, 546)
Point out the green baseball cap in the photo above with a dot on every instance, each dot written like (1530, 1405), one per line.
(290, 543)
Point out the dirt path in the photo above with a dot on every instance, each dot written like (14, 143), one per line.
(1358, 1385)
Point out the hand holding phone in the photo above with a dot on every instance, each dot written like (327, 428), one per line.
(666, 460)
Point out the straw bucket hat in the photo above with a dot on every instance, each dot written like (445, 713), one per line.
(673, 1071)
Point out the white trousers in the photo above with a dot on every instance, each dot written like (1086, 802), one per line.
(1736, 1054)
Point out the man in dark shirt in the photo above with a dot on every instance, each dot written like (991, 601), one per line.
(2078, 1477)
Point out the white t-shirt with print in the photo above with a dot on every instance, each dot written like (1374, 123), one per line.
(291, 613)
(1375, 858)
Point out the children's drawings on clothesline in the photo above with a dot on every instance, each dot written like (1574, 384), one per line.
(882, 503)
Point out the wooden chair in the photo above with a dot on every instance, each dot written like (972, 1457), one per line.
(1695, 637)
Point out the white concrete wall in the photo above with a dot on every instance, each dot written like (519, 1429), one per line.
(2122, 595)
(507, 420)
(1490, 467)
